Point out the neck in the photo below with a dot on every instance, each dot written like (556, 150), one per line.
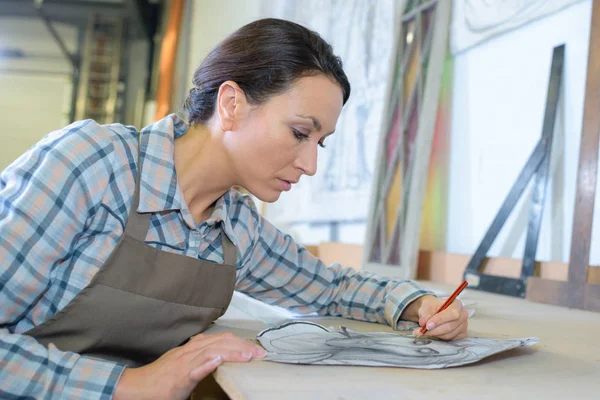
(203, 170)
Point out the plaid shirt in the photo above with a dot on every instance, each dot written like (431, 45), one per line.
(63, 208)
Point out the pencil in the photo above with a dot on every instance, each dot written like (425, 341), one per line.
(447, 303)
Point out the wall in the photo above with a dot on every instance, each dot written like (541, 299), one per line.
(35, 91)
(212, 21)
(30, 107)
(499, 98)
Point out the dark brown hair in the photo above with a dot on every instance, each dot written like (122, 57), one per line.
(264, 58)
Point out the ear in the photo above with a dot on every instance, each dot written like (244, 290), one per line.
(231, 102)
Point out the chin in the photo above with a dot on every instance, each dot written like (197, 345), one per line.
(268, 196)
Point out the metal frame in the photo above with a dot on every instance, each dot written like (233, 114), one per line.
(74, 59)
(142, 16)
(538, 165)
(577, 292)
(114, 74)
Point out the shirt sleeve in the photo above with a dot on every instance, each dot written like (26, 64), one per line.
(46, 196)
(278, 271)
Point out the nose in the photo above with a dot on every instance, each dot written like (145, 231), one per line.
(307, 160)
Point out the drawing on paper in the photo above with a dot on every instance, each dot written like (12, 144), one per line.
(310, 343)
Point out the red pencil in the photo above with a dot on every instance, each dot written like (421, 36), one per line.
(448, 301)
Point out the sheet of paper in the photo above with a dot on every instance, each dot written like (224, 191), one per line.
(301, 342)
(243, 306)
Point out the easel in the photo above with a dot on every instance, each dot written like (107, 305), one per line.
(538, 165)
(577, 292)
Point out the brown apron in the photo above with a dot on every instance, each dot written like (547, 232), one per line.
(143, 301)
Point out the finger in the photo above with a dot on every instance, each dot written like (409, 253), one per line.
(226, 354)
(446, 327)
(227, 340)
(245, 346)
(442, 329)
(457, 333)
(446, 332)
(452, 313)
(200, 372)
(259, 352)
(195, 355)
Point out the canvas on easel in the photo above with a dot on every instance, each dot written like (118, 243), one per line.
(393, 230)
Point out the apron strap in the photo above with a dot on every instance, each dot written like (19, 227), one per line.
(137, 224)
(229, 250)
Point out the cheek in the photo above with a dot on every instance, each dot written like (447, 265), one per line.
(274, 160)
(277, 149)
(268, 144)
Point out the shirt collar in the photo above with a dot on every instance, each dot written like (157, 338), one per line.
(159, 189)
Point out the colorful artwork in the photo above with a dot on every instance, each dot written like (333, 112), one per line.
(402, 134)
(412, 182)
(475, 21)
(435, 217)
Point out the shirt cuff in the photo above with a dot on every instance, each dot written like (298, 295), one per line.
(399, 298)
(92, 378)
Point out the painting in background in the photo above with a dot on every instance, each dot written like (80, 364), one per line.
(362, 34)
(475, 21)
(408, 195)
(435, 207)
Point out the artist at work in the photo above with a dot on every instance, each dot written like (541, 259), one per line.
(119, 247)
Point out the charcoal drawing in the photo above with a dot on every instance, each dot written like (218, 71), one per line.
(301, 342)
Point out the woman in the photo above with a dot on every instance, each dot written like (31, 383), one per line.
(119, 246)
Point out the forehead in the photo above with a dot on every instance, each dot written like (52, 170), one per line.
(318, 96)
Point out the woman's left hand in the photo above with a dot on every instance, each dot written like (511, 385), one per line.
(450, 324)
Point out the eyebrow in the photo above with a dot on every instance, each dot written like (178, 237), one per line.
(315, 121)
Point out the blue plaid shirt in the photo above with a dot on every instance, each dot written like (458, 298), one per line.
(63, 207)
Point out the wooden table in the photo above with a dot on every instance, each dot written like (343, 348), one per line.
(565, 364)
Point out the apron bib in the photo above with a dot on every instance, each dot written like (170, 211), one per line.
(143, 301)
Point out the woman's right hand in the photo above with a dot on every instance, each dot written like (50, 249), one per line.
(177, 372)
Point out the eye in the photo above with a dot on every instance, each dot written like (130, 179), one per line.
(303, 136)
(422, 342)
(427, 351)
(299, 135)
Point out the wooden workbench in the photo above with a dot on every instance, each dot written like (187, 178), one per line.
(565, 364)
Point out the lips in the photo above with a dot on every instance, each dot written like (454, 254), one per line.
(286, 185)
